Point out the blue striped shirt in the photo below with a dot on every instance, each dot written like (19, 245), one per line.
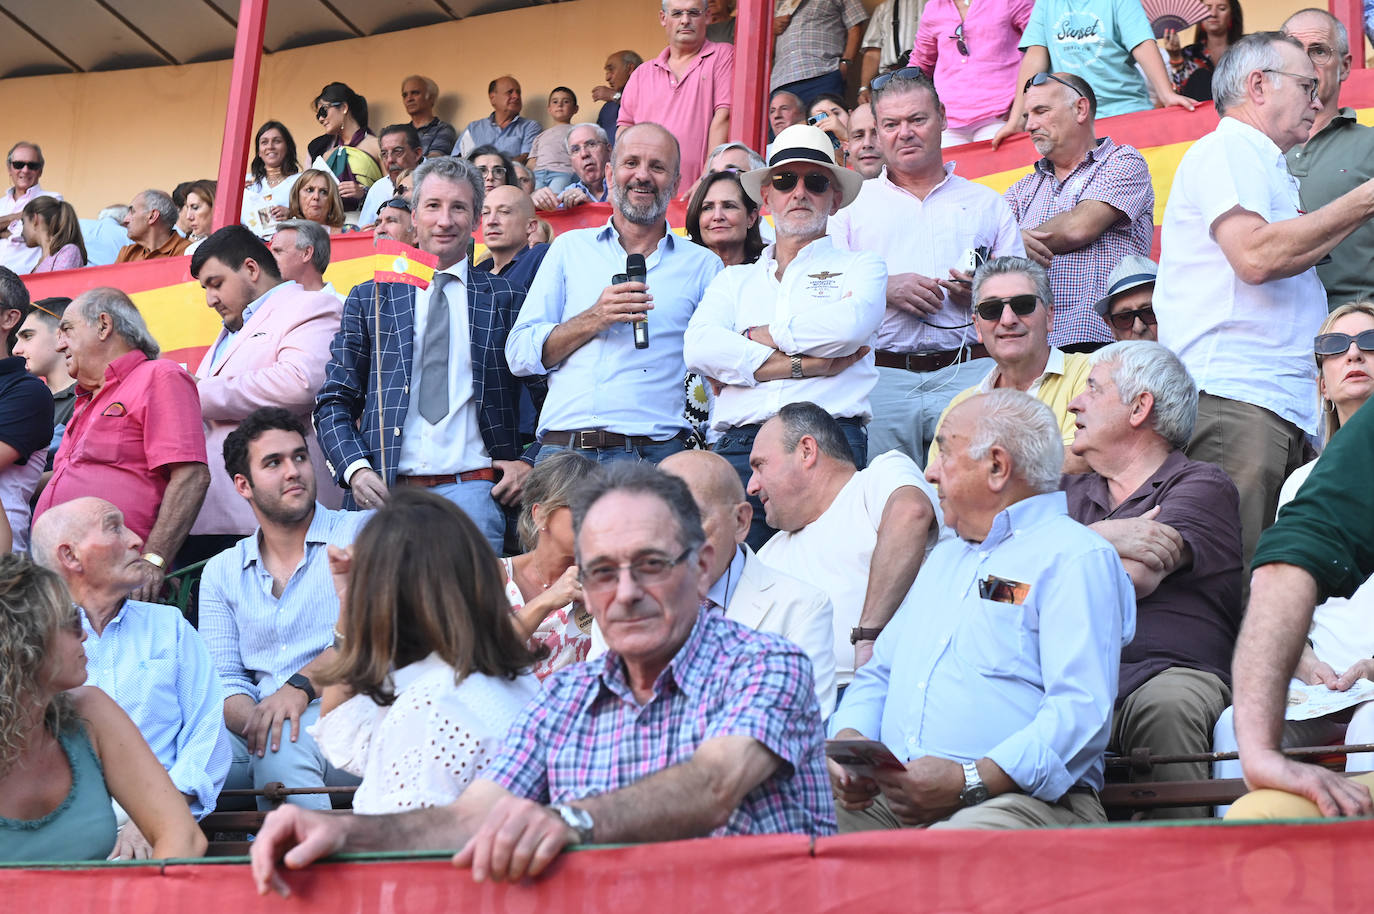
(153, 664)
(259, 641)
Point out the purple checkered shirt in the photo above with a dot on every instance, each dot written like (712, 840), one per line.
(1115, 175)
(587, 735)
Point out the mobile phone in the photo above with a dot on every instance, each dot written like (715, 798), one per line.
(816, 118)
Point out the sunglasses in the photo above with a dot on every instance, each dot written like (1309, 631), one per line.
(905, 73)
(323, 110)
(1338, 343)
(1040, 79)
(959, 42)
(815, 182)
(990, 309)
(20, 166)
(396, 203)
(1125, 320)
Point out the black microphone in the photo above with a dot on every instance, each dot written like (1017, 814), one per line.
(637, 272)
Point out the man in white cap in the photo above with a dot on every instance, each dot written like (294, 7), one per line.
(798, 324)
(1128, 307)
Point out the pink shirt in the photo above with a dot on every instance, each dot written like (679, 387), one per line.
(68, 257)
(683, 106)
(983, 84)
(123, 439)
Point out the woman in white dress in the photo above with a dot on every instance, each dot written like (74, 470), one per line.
(267, 196)
(430, 674)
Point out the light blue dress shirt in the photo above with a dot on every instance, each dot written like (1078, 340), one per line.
(1030, 686)
(226, 336)
(258, 641)
(153, 664)
(723, 589)
(608, 383)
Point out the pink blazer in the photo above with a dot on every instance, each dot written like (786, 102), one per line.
(277, 359)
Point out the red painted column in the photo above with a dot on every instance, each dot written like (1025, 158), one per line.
(238, 116)
(753, 64)
(1351, 13)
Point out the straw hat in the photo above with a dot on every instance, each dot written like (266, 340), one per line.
(804, 143)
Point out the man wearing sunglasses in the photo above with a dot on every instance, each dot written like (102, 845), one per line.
(1086, 204)
(25, 165)
(1128, 307)
(1336, 157)
(1238, 297)
(798, 323)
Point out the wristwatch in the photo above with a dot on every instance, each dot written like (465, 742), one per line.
(579, 820)
(974, 791)
(157, 561)
(859, 633)
(796, 366)
(303, 683)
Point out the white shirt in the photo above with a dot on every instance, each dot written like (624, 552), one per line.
(454, 444)
(380, 192)
(828, 303)
(927, 237)
(833, 552)
(1242, 342)
(258, 199)
(15, 254)
(430, 744)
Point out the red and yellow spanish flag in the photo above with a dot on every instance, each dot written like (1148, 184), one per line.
(397, 262)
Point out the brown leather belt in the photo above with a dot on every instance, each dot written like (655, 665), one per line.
(591, 439)
(930, 361)
(486, 474)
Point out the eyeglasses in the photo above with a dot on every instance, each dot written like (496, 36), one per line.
(990, 309)
(17, 165)
(493, 171)
(913, 74)
(1040, 79)
(323, 110)
(589, 145)
(959, 42)
(814, 181)
(679, 15)
(1125, 320)
(646, 570)
(73, 623)
(1338, 343)
(1311, 90)
(396, 203)
(1320, 54)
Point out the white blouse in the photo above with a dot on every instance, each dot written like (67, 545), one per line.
(432, 742)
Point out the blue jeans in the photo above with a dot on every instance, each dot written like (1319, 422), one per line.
(907, 405)
(553, 180)
(650, 452)
(808, 89)
(298, 764)
(474, 497)
(735, 445)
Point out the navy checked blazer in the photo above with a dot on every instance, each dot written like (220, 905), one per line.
(346, 410)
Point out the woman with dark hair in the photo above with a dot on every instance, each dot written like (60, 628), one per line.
(274, 169)
(348, 147)
(722, 217)
(1191, 68)
(52, 225)
(432, 671)
(496, 167)
(315, 196)
(66, 749)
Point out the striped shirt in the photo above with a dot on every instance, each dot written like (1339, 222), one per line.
(152, 663)
(258, 641)
(588, 735)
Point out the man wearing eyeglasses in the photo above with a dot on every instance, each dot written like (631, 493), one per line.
(1086, 204)
(1337, 157)
(25, 165)
(691, 725)
(1128, 307)
(589, 150)
(1238, 297)
(401, 151)
(797, 324)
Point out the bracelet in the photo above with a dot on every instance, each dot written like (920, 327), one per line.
(157, 561)
(748, 335)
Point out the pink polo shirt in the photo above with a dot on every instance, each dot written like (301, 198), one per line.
(683, 106)
(983, 84)
(123, 439)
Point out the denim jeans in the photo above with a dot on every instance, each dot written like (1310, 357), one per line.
(474, 497)
(907, 405)
(295, 764)
(650, 452)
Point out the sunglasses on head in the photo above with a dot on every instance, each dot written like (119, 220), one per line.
(815, 182)
(1040, 79)
(913, 74)
(1125, 320)
(397, 203)
(990, 309)
(323, 110)
(1338, 343)
(31, 166)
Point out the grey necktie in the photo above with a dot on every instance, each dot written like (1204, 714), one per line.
(434, 356)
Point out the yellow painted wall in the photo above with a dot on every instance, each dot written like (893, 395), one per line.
(107, 136)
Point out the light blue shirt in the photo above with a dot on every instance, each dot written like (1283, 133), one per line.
(515, 139)
(723, 590)
(153, 664)
(228, 336)
(258, 641)
(591, 195)
(1094, 39)
(608, 383)
(1031, 685)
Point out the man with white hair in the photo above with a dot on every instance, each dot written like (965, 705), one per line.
(301, 249)
(1175, 523)
(1238, 297)
(589, 150)
(418, 95)
(151, 224)
(994, 682)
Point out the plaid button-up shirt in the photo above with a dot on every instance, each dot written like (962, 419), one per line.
(587, 735)
(1115, 175)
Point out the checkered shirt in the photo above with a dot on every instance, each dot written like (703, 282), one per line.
(587, 734)
(1115, 175)
(814, 40)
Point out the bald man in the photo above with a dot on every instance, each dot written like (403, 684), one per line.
(748, 591)
(507, 219)
(146, 656)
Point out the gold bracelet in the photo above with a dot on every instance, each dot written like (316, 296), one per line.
(157, 561)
